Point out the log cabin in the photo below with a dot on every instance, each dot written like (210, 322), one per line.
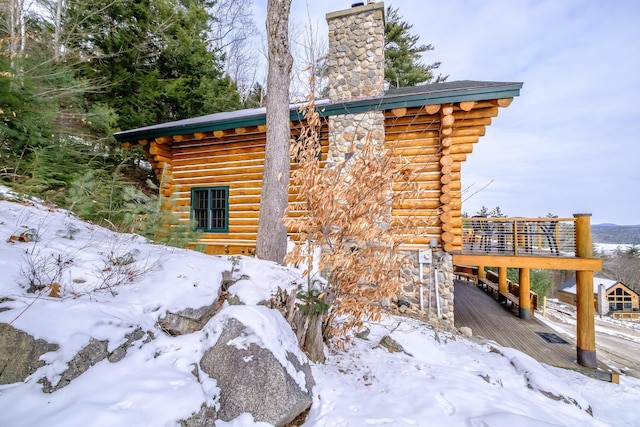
(623, 302)
(211, 166)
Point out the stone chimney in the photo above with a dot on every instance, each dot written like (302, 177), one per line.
(356, 52)
(356, 70)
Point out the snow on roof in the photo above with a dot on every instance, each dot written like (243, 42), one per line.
(570, 285)
(435, 93)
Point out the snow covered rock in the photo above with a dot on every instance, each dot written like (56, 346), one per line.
(206, 417)
(188, 320)
(258, 366)
(20, 354)
(91, 354)
(466, 332)
(543, 381)
(94, 352)
(392, 345)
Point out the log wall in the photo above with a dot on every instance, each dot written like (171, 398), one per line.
(233, 158)
(435, 139)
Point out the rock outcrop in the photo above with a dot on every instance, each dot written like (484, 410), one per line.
(188, 320)
(253, 379)
(20, 354)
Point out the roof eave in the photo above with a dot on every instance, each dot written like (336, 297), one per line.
(386, 102)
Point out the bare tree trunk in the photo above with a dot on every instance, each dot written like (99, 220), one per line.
(57, 46)
(14, 10)
(271, 241)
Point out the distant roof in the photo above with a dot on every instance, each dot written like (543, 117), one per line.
(416, 96)
(570, 285)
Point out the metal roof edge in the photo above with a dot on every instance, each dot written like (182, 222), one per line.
(480, 92)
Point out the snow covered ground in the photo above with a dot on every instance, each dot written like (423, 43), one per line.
(610, 248)
(617, 341)
(441, 379)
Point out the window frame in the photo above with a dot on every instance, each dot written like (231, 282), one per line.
(210, 209)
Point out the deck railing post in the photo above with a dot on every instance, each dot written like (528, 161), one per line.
(481, 274)
(503, 288)
(586, 345)
(515, 237)
(525, 293)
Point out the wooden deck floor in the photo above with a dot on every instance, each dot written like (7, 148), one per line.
(491, 320)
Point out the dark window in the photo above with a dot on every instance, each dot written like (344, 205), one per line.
(210, 207)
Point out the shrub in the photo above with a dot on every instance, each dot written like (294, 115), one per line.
(344, 213)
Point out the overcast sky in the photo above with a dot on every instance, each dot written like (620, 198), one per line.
(570, 143)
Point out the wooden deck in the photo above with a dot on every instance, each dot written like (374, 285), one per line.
(492, 320)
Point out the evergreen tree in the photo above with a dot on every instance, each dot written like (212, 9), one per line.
(497, 213)
(24, 124)
(484, 212)
(32, 89)
(191, 72)
(402, 55)
(66, 87)
(150, 58)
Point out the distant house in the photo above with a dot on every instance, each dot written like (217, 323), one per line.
(622, 299)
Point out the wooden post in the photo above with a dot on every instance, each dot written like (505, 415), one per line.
(503, 289)
(525, 297)
(586, 333)
(481, 274)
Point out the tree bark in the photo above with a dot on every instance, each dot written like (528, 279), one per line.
(57, 44)
(271, 242)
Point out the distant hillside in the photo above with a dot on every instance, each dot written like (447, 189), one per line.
(618, 234)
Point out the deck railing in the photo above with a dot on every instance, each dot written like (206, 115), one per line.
(519, 236)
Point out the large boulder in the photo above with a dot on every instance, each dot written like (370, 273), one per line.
(206, 417)
(258, 366)
(20, 354)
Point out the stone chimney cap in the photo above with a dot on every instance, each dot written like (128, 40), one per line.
(360, 6)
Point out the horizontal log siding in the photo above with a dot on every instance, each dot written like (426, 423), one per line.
(468, 127)
(419, 137)
(416, 137)
(233, 160)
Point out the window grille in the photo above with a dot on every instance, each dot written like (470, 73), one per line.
(210, 209)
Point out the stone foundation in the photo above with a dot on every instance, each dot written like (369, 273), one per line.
(442, 264)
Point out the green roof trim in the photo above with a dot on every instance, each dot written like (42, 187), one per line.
(417, 96)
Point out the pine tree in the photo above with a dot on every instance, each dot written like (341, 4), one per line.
(33, 91)
(404, 66)
(484, 212)
(150, 58)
